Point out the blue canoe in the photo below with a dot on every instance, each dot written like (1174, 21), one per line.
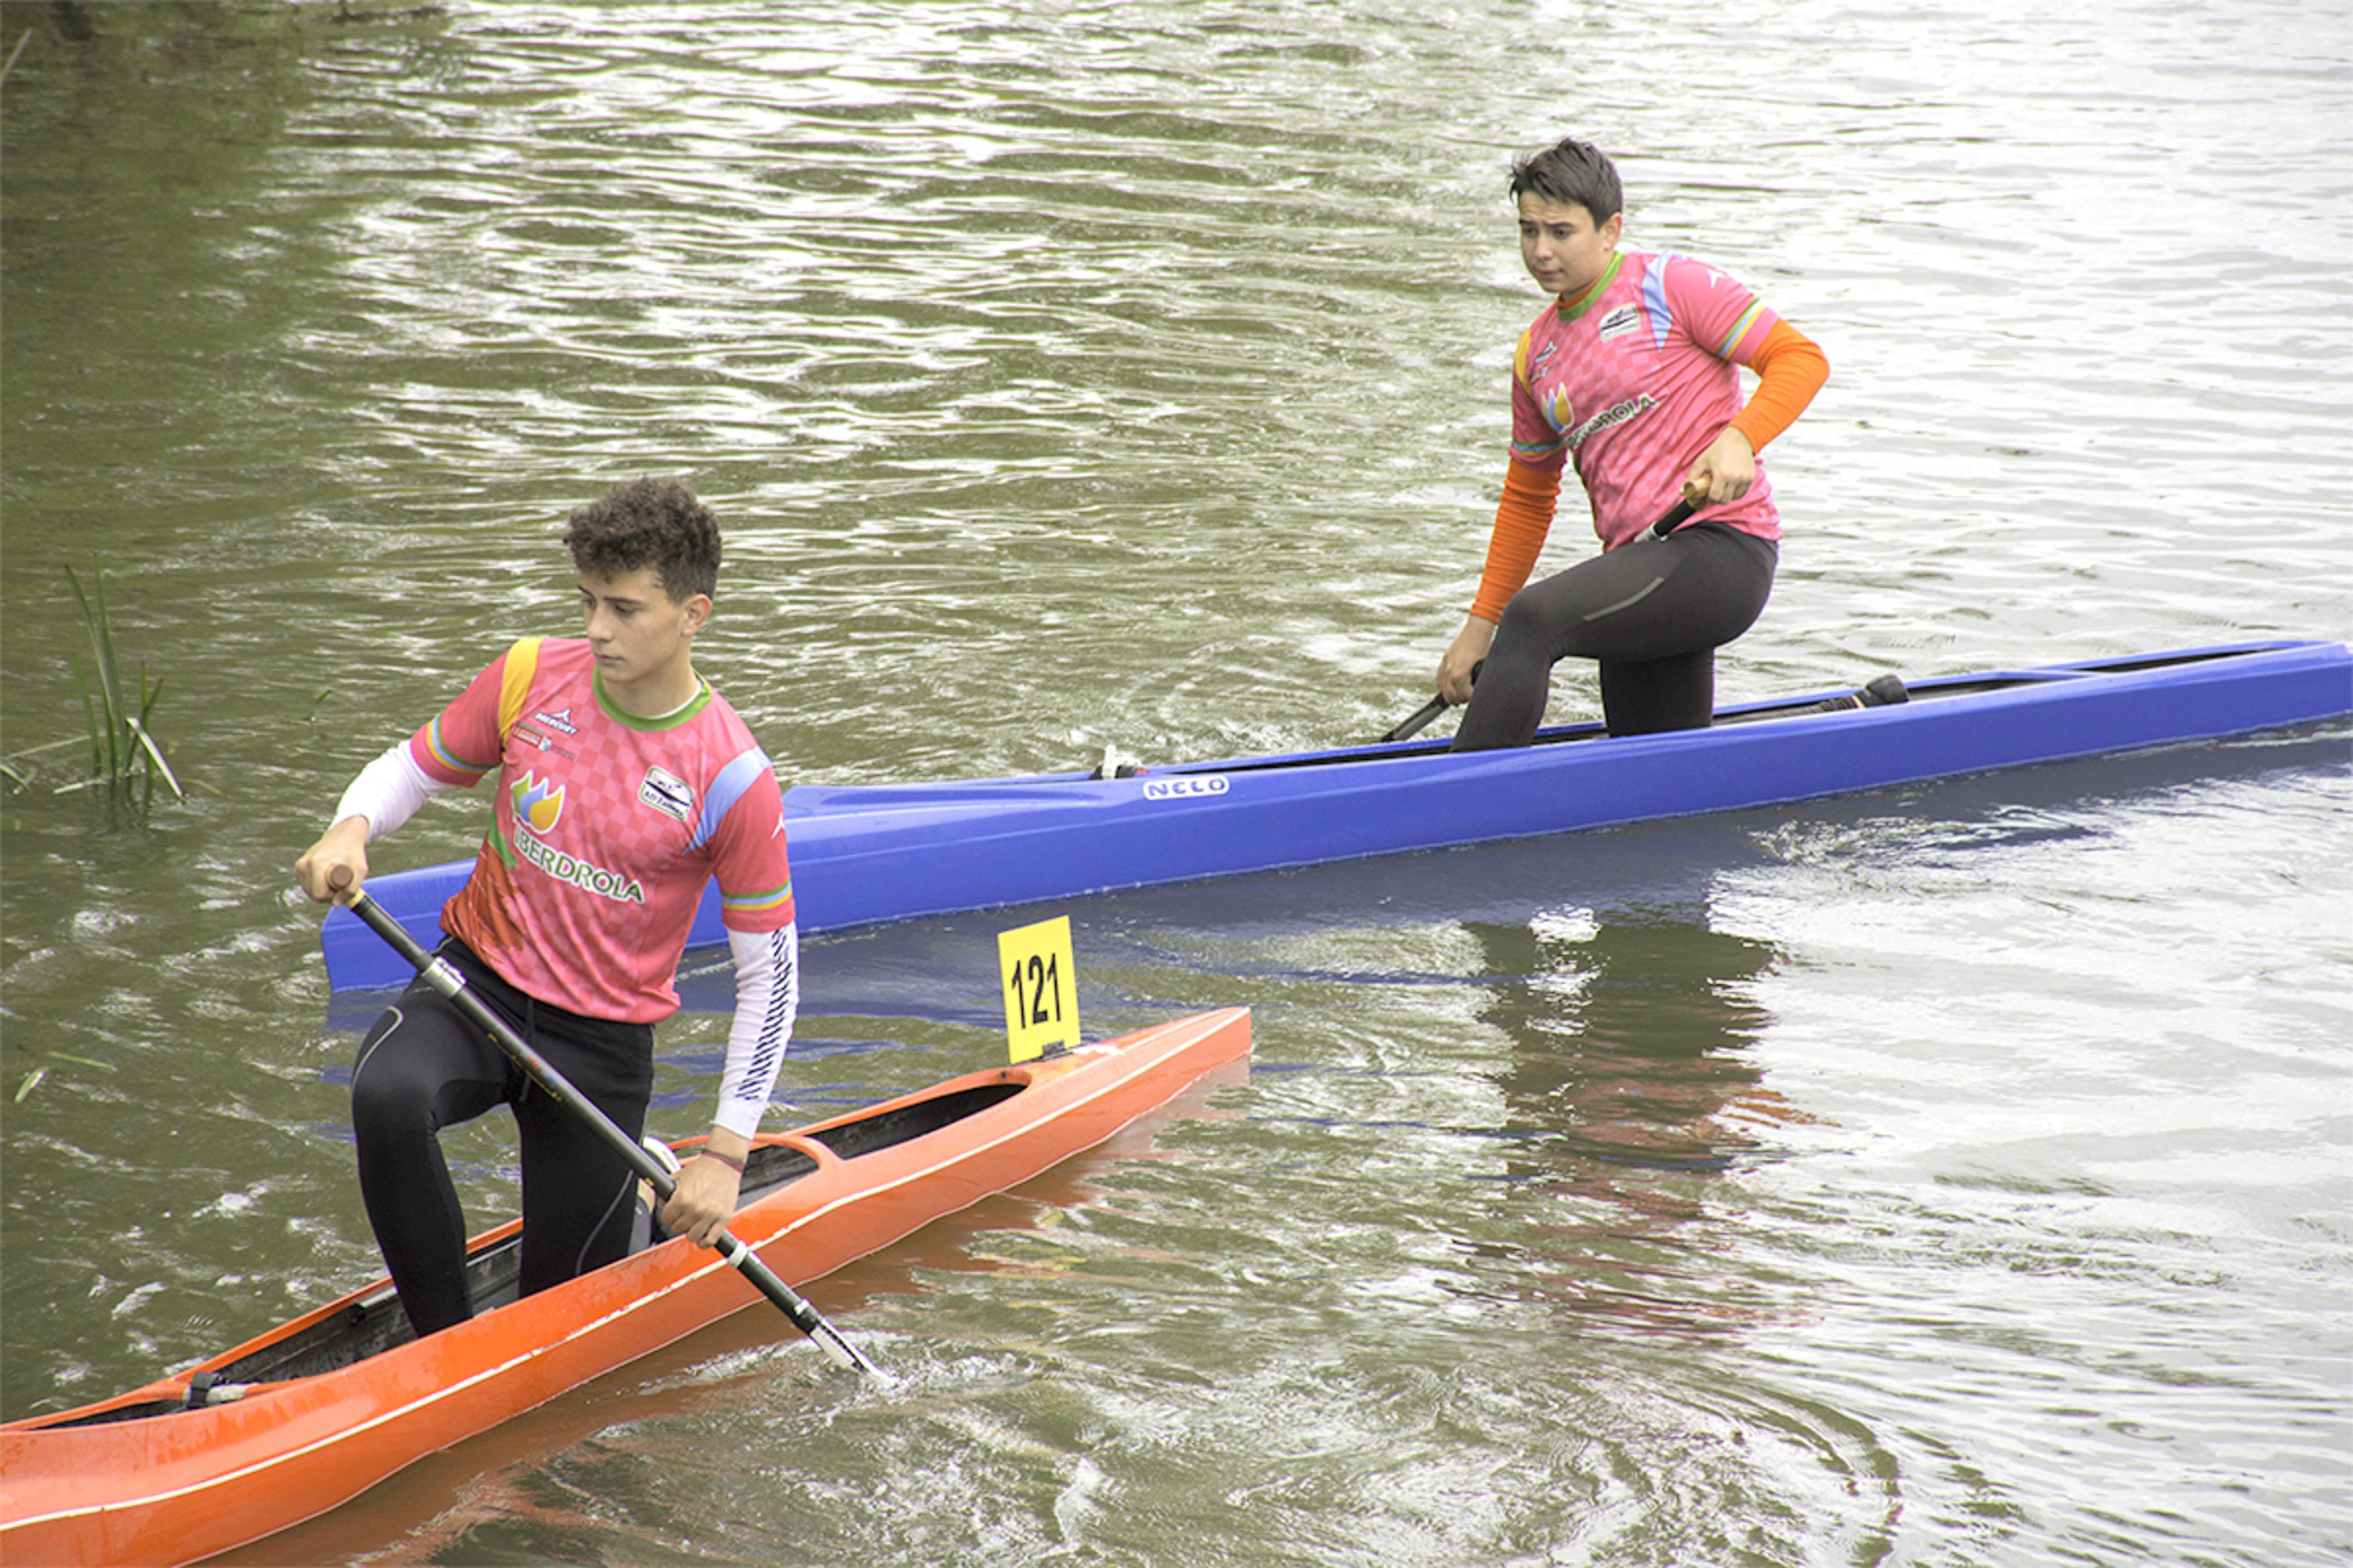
(862, 856)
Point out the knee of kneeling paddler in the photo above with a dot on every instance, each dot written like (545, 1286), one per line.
(1522, 624)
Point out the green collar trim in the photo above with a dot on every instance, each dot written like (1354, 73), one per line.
(622, 716)
(1569, 312)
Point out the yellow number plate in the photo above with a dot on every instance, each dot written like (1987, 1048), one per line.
(1041, 987)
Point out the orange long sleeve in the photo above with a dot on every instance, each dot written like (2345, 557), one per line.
(1790, 368)
(1522, 520)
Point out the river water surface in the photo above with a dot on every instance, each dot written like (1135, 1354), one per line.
(1957, 1175)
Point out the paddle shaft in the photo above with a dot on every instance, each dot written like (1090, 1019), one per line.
(1675, 519)
(1420, 717)
(444, 977)
(1415, 723)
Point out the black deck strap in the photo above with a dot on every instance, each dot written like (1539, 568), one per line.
(205, 1390)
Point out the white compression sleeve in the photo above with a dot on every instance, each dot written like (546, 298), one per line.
(767, 995)
(388, 792)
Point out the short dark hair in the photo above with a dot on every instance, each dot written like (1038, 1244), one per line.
(1572, 170)
(649, 522)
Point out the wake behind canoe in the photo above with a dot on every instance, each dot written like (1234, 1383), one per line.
(868, 855)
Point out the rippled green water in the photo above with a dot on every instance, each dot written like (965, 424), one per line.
(1953, 1176)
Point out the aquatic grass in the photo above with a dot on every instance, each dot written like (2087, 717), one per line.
(123, 746)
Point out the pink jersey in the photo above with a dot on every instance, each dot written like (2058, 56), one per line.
(1633, 381)
(604, 830)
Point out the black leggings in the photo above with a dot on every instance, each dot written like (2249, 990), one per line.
(1653, 613)
(424, 1067)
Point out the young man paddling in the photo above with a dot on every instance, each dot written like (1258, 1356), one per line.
(1631, 371)
(624, 784)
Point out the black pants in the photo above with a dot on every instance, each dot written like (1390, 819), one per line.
(424, 1067)
(1653, 613)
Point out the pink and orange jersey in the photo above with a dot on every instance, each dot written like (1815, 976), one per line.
(1632, 382)
(603, 831)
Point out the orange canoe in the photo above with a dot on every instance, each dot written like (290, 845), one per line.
(314, 1412)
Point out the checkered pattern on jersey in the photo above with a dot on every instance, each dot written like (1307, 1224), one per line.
(1634, 386)
(598, 818)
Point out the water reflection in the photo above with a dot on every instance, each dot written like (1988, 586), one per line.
(1626, 1042)
(1628, 1086)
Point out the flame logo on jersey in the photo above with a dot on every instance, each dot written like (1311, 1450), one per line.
(537, 805)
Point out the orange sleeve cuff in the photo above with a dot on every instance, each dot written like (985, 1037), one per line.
(1790, 368)
(1523, 519)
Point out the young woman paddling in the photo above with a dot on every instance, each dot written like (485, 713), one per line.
(624, 784)
(1633, 372)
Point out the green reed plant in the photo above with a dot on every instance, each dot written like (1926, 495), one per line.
(121, 747)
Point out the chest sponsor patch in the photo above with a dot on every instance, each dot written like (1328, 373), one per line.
(587, 876)
(560, 720)
(1625, 319)
(531, 737)
(1632, 408)
(668, 793)
(537, 805)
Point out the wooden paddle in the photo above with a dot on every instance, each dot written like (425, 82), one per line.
(1419, 718)
(444, 978)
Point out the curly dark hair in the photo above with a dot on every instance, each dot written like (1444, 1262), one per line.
(649, 522)
(1573, 171)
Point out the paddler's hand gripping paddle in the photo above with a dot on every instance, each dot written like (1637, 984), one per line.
(1420, 718)
(443, 977)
